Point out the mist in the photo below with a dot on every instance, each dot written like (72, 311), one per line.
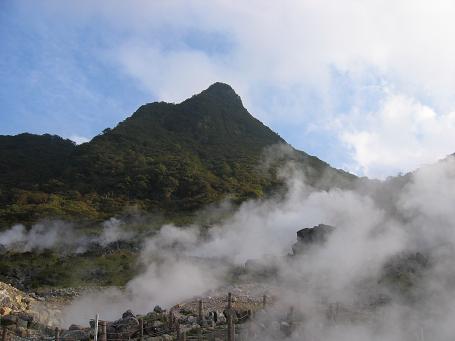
(61, 236)
(348, 271)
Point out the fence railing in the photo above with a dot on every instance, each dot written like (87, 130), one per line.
(172, 327)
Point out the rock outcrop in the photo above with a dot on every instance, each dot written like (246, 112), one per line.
(309, 237)
(17, 307)
(13, 300)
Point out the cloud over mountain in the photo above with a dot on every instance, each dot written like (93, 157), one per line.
(299, 65)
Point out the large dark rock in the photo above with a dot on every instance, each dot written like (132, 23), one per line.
(308, 237)
(158, 309)
(127, 314)
(76, 327)
(127, 323)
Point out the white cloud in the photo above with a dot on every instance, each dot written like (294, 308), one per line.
(178, 74)
(403, 134)
(295, 42)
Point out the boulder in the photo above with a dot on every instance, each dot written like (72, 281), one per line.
(76, 327)
(127, 314)
(308, 237)
(125, 324)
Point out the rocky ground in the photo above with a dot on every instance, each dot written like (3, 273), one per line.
(35, 313)
(39, 314)
(26, 311)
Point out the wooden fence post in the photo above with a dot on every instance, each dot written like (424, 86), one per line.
(4, 333)
(57, 334)
(230, 322)
(103, 331)
(178, 331)
(229, 301)
(200, 312)
(233, 331)
(141, 324)
(230, 329)
(264, 301)
(170, 320)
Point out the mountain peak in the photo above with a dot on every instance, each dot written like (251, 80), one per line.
(222, 93)
(220, 86)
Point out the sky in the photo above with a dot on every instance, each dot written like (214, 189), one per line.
(368, 86)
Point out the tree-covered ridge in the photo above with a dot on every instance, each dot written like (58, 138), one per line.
(28, 159)
(165, 157)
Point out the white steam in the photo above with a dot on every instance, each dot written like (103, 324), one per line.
(347, 271)
(62, 236)
(113, 231)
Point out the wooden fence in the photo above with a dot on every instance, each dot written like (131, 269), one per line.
(228, 332)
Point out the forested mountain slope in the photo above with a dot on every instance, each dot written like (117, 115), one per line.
(165, 157)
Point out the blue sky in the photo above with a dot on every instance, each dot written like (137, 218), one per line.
(367, 86)
(54, 77)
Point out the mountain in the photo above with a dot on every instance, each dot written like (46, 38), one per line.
(165, 157)
(28, 159)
